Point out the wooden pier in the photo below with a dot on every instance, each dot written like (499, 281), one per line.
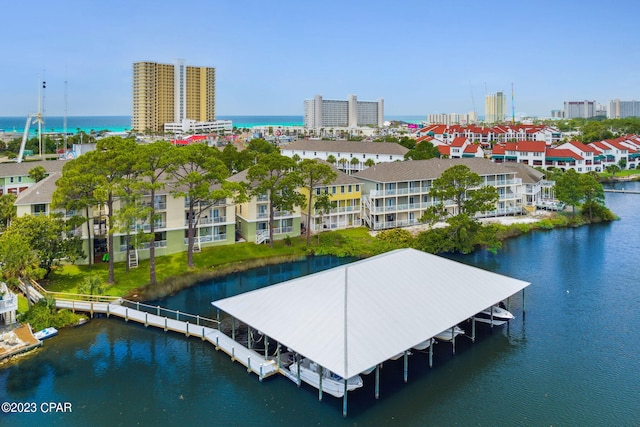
(184, 323)
(607, 190)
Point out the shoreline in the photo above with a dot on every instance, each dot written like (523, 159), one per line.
(174, 284)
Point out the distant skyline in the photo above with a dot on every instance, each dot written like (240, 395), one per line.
(420, 57)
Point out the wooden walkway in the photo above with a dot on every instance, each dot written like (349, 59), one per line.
(606, 190)
(200, 327)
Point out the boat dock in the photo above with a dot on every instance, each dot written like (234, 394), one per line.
(160, 317)
(176, 321)
(606, 190)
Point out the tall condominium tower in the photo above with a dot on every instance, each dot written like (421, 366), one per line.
(495, 107)
(351, 113)
(621, 109)
(165, 93)
(579, 109)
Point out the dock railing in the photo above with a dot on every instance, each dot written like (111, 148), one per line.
(171, 314)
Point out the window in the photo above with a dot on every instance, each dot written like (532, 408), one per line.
(357, 187)
(333, 190)
(318, 191)
(350, 188)
(342, 189)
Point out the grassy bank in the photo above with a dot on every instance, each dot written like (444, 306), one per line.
(173, 274)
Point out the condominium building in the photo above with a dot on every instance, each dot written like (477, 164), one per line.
(452, 119)
(579, 109)
(621, 109)
(398, 194)
(171, 93)
(495, 107)
(319, 113)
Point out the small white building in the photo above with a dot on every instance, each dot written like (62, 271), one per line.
(8, 305)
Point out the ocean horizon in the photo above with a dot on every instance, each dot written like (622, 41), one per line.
(75, 124)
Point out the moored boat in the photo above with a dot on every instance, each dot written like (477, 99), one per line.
(46, 333)
(449, 334)
(494, 315)
(424, 344)
(331, 383)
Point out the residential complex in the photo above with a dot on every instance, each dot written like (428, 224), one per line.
(582, 158)
(398, 194)
(621, 109)
(215, 226)
(171, 93)
(321, 113)
(495, 107)
(348, 156)
(488, 135)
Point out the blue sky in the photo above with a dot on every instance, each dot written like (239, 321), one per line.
(422, 57)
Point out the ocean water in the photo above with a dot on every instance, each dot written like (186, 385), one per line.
(15, 125)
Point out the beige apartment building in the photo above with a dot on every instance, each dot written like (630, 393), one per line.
(171, 93)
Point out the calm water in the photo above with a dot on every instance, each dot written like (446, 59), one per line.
(572, 361)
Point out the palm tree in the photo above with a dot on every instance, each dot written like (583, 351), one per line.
(331, 159)
(354, 163)
(369, 163)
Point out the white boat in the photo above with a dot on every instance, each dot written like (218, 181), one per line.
(423, 345)
(46, 333)
(500, 316)
(450, 333)
(331, 383)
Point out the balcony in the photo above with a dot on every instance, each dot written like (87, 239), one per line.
(211, 220)
(206, 239)
(282, 230)
(147, 227)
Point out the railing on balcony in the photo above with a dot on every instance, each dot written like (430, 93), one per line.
(282, 230)
(147, 227)
(209, 238)
(210, 220)
(156, 206)
(395, 224)
(280, 214)
(144, 246)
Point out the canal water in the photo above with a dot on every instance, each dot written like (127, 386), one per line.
(572, 360)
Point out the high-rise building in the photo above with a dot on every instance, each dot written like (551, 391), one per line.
(351, 113)
(621, 109)
(579, 109)
(495, 107)
(452, 119)
(171, 93)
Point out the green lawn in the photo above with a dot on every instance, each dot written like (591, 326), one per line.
(67, 278)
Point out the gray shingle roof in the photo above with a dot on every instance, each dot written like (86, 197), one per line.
(40, 192)
(427, 169)
(389, 148)
(22, 169)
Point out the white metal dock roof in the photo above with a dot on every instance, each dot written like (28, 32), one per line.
(352, 317)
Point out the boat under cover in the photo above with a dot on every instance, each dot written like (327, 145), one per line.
(449, 334)
(500, 316)
(331, 383)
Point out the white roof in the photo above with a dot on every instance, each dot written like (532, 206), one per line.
(355, 316)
